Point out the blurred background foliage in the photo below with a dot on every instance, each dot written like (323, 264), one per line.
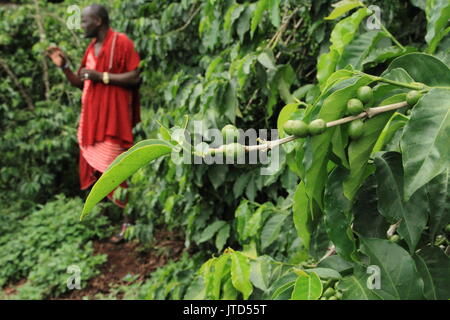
(218, 61)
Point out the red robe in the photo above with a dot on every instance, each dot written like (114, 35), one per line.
(109, 112)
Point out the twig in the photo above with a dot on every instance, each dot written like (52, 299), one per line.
(42, 38)
(371, 112)
(23, 92)
(330, 252)
(185, 25)
(274, 41)
(392, 229)
(291, 36)
(77, 39)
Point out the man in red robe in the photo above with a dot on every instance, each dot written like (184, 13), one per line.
(109, 78)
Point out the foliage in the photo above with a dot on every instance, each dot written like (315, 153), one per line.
(44, 244)
(169, 282)
(254, 64)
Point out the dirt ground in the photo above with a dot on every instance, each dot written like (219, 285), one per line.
(127, 258)
(123, 259)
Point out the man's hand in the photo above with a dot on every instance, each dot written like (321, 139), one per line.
(58, 57)
(88, 74)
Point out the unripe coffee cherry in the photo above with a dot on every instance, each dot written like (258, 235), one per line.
(394, 238)
(365, 94)
(317, 126)
(354, 107)
(329, 292)
(297, 128)
(413, 97)
(356, 129)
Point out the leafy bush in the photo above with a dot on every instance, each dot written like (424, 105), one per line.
(169, 282)
(42, 245)
(394, 174)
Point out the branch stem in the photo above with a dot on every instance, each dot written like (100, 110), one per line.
(369, 113)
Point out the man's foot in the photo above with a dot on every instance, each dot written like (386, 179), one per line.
(118, 238)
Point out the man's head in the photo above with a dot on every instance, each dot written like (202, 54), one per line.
(93, 18)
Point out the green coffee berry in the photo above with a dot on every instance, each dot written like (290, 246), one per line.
(354, 107)
(356, 129)
(365, 94)
(413, 97)
(297, 128)
(317, 126)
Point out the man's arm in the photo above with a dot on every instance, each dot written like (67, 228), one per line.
(60, 60)
(127, 80)
(73, 78)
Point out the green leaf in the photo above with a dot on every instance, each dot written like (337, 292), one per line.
(228, 291)
(325, 273)
(253, 224)
(271, 230)
(434, 265)
(261, 269)
(342, 34)
(138, 145)
(423, 68)
(211, 230)
(426, 151)
(359, 151)
(217, 174)
(120, 171)
(438, 16)
(342, 7)
(335, 262)
(399, 278)
(219, 267)
(244, 22)
(242, 215)
(355, 287)
(232, 14)
(240, 274)
(165, 133)
(326, 65)
(333, 108)
(274, 7)
(307, 287)
(357, 50)
(368, 221)
(338, 218)
(396, 122)
(380, 55)
(230, 102)
(419, 4)
(413, 213)
(301, 214)
(339, 142)
(240, 184)
(222, 235)
(284, 116)
(438, 191)
(283, 290)
(267, 59)
(335, 78)
(196, 290)
(261, 6)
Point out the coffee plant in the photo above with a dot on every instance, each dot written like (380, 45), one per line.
(359, 205)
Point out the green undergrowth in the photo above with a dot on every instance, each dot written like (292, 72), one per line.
(42, 245)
